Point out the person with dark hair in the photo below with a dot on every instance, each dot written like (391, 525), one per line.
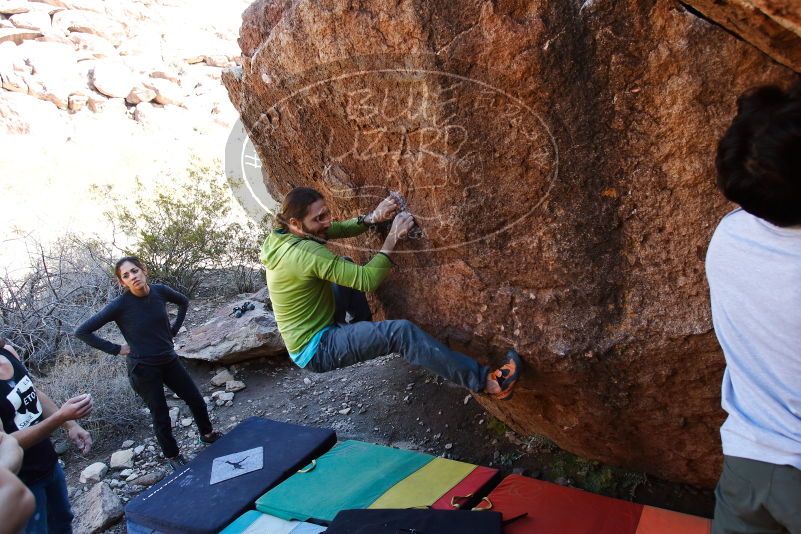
(754, 270)
(312, 291)
(29, 415)
(141, 315)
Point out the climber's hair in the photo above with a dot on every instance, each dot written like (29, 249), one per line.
(759, 157)
(296, 205)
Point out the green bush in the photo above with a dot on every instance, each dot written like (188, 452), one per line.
(181, 233)
(241, 257)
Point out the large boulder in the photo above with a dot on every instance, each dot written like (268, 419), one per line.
(559, 157)
(92, 44)
(22, 114)
(77, 20)
(773, 26)
(14, 7)
(227, 339)
(37, 20)
(166, 92)
(12, 68)
(113, 79)
(54, 76)
(16, 35)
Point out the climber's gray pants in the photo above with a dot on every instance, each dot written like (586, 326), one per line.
(345, 344)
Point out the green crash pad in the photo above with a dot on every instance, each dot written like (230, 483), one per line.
(353, 474)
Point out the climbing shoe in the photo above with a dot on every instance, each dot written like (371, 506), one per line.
(176, 462)
(507, 374)
(211, 437)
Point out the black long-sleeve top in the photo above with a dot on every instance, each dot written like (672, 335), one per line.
(143, 322)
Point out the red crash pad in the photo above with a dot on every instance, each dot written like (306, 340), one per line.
(472, 485)
(552, 508)
(659, 521)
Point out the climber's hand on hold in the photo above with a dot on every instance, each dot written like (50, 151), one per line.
(385, 211)
(401, 225)
(400, 229)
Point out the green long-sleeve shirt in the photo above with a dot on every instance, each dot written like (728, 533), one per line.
(299, 276)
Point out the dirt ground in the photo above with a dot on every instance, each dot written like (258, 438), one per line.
(389, 402)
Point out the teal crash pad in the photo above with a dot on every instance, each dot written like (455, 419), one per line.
(254, 522)
(351, 475)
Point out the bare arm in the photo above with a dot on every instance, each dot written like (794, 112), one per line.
(74, 408)
(10, 452)
(16, 502)
(52, 417)
(80, 437)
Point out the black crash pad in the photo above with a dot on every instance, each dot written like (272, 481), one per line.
(187, 502)
(411, 520)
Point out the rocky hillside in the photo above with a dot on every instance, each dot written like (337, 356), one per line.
(559, 157)
(95, 56)
(102, 92)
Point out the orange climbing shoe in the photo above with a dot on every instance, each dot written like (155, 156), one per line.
(506, 375)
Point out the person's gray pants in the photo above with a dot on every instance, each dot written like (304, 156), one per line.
(757, 497)
(345, 344)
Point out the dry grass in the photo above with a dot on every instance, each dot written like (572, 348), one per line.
(117, 409)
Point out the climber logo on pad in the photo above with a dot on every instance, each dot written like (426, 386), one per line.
(236, 464)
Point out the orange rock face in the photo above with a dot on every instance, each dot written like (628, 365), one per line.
(773, 26)
(559, 157)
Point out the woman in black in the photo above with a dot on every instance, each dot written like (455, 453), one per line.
(141, 315)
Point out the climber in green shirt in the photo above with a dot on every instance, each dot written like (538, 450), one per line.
(312, 290)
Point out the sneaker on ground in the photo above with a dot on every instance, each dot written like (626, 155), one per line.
(211, 437)
(176, 462)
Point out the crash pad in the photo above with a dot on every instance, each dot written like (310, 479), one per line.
(307, 528)
(265, 452)
(659, 521)
(425, 486)
(474, 485)
(351, 475)
(415, 521)
(554, 508)
(254, 522)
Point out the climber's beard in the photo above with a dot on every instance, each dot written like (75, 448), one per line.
(319, 236)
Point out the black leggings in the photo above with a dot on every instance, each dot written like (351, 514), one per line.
(148, 382)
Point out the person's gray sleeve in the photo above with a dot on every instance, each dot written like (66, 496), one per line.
(171, 295)
(86, 332)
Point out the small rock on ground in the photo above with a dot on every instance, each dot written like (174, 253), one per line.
(97, 509)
